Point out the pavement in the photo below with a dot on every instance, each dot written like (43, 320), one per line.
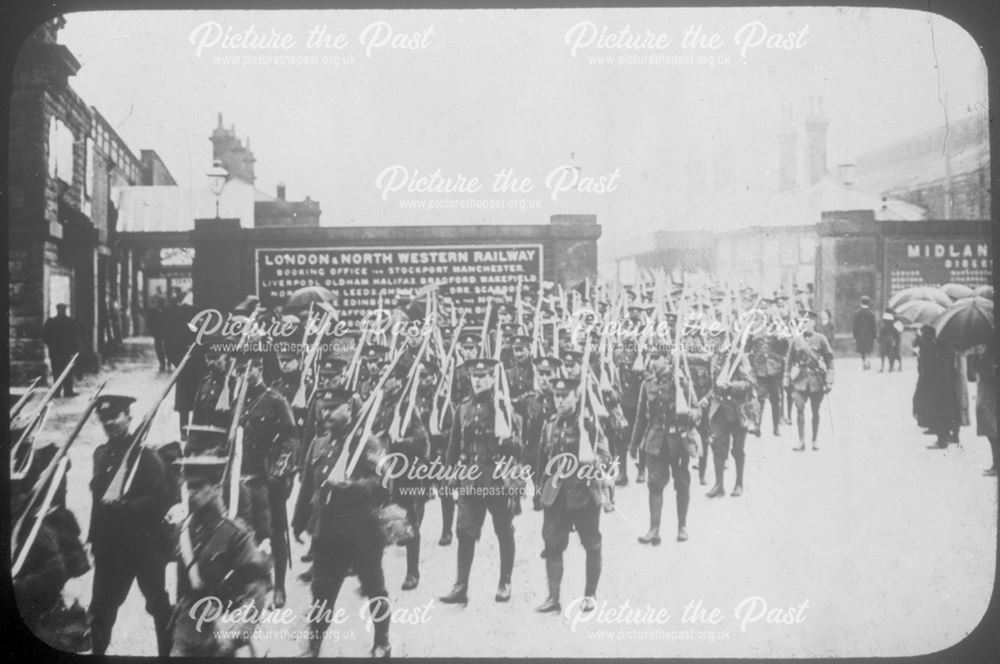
(871, 546)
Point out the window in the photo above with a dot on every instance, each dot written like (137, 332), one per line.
(61, 142)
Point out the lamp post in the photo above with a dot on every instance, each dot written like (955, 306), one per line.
(217, 177)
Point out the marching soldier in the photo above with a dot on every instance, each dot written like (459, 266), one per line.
(521, 371)
(207, 409)
(660, 430)
(767, 359)
(571, 502)
(699, 367)
(348, 539)
(127, 537)
(475, 444)
(809, 374)
(429, 378)
(221, 564)
(461, 383)
(414, 446)
(335, 409)
(271, 443)
(730, 416)
(374, 357)
(55, 557)
(631, 380)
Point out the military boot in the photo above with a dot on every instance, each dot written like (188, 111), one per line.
(554, 573)
(720, 471)
(466, 552)
(655, 512)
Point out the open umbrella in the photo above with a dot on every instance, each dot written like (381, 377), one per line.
(922, 312)
(303, 297)
(967, 323)
(957, 291)
(928, 293)
(984, 291)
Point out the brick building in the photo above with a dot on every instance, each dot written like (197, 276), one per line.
(67, 167)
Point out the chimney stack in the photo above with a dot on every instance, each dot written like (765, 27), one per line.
(816, 125)
(787, 156)
(281, 191)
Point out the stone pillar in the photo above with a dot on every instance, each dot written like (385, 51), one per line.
(218, 266)
(849, 266)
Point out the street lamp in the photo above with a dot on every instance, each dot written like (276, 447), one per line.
(216, 182)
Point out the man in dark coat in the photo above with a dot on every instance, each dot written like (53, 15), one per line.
(61, 335)
(156, 324)
(127, 535)
(864, 331)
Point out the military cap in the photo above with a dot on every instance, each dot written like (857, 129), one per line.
(204, 467)
(811, 314)
(888, 316)
(520, 340)
(549, 363)
(331, 365)
(374, 351)
(864, 298)
(571, 356)
(112, 405)
(469, 339)
(510, 329)
(506, 307)
(640, 307)
(332, 396)
(565, 385)
(480, 365)
(430, 367)
(473, 320)
(285, 348)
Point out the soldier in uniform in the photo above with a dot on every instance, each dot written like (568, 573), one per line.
(474, 443)
(56, 556)
(414, 446)
(335, 410)
(374, 360)
(699, 368)
(768, 362)
(631, 380)
(571, 500)
(127, 537)
(271, 442)
(348, 539)
(520, 370)
(809, 373)
(461, 383)
(535, 408)
(659, 430)
(430, 375)
(729, 416)
(220, 562)
(206, 409)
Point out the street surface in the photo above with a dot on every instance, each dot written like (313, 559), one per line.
(871, 546)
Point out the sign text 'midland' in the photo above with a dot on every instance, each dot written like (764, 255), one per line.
(947, 250)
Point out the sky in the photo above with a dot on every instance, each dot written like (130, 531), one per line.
(601, 120)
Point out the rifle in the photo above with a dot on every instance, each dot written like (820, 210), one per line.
(121, 481)
(18, 470)
(225, 398)
(234, 463)
(15, 411)
(51, 476)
